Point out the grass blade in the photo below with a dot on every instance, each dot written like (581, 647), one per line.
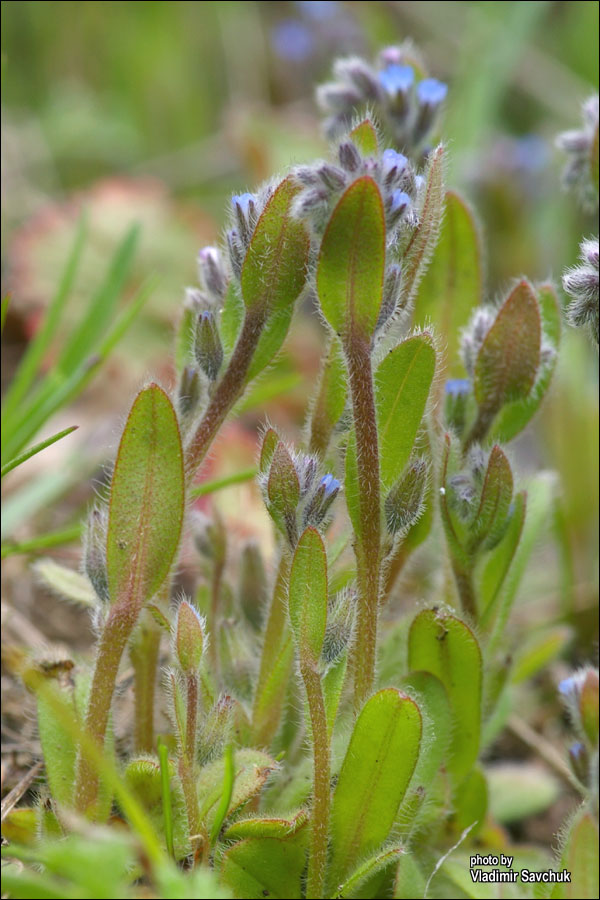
(37, 448)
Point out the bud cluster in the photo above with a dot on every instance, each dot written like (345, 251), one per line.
(579, 147)
(246, 210)
(296, 494)
(581, 284)
(323, 183)
(340, 626)
(404, 503)
(406, 103)
(474, 334)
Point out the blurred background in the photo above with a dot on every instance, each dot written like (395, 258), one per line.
(155, 112)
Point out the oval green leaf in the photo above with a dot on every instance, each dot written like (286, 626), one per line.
(508, 360)
(364, 137)
(443, 645)
(352, 261)
(146, 499)
(376, 771)
(264, 867)
(402, 385)
(308, 595)
(452, 285)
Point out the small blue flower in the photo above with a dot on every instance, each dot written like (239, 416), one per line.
(393, 160)
(431, 92)
(399, 202)
(330, 484)
(397, 79)
(243, 201)
(292, 40)
(458, 387)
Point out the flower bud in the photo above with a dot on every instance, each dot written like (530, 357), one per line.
(333, 178)
(349, 156)
(94, 559)
(580, 762)
(582, 285)
(320, 502)
(189, 638)
(188, 392)
(244, 210)
(430, 95)
(356, 71)
(457, 395)
(340, 623)
(579, 693)
(210, 537)
(212, 273)
(283, 492)
(404, 503)
(236, 252)
(391, 293)
(215, 730)
(208, 349)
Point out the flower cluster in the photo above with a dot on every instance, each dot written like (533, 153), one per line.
(579, 146)
(297, 496)
(581, 284)
(323, 183)
(407, 103)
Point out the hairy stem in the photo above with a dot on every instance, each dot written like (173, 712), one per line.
(481, 426)
(368, 541)
(228, 390)
(466, 590)
(115, 635)
(317, 861)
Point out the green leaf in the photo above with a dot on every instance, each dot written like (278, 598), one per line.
(37, 448)
(540, 497)
(333, 684)
(351, 261)
(499, 561)
(470, 803)
(402, 385)
(410, 881)
(520, 790)
(283, 491)
(376, 771)
(508, 360)
(442, 644)
(264, 867)
(453, 284)
(282, 829)
(146, 499)
(496, 495)
(226, 793)
(308, 595)
(252, 768)
(366, 870)
(274, 272)
(540, 650)
(65, 583)
(37, 347)
(423, 241)
(432, 699)
(364, 136)
(514, 417)
(330, 400)
(4, 304)
(581, 859)
(144, 777)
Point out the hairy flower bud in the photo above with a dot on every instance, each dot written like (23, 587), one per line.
(212, 272)
(189, 638)
(582, 285)
(580, 693)
(208, 349)
(94, 559)
(404, 503)
(189, 392)
(457, 394)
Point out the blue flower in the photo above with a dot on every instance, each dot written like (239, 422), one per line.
(397, 79)
(458, 387)
(292, 40)
(431, 92)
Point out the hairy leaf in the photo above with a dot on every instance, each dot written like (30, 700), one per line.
(442, 644)
(402, 384)
(264, 867)
(508, 360)
(352, 261)
(308, 595)
(364, 135)
(376, 771)
(453, 283)
(146, 499)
